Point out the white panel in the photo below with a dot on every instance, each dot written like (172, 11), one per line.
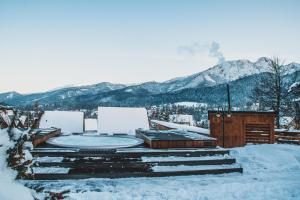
(121, 120)
(67, 121)
(90, 125)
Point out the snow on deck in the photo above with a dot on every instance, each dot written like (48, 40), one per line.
(287, 130)
(49, 159)
(121, 120)
(67, 121)
(50, 170)
(179, 158)
(182, 127)
(191, 167)
(271, 171)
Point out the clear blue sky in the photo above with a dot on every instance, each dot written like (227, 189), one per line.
(48, 44)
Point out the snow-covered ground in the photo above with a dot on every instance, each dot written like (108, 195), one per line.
(9, 188)
(270, 172)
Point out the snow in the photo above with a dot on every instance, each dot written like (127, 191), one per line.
(208, 78)
(271, 171)
(191, 168)
(67, 121)
(217, 149)
(190, 104)
(121, 120)
(182, 127)
(23, 119)
(85, 142)
(128, 90)
(178, 158)
(5, 117)
(50, 170)
(287, 130)
(90, 124)
(10, 189)
(294, 85)
(286, 120)
(49, 159)
(269, 158)
(182, 119)
(186, 134)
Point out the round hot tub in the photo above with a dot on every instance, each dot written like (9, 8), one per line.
(95, 142)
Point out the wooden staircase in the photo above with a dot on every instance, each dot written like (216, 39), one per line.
(66, 163)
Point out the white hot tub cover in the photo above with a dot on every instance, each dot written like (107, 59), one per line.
(67, 121)
(121, 120)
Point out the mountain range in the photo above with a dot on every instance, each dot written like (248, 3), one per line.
(206, 87)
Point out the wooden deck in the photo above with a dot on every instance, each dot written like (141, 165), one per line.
(130, 152)
(287, 136)
(134, 174)
(130, 162)
(175, 139)
(42, 135)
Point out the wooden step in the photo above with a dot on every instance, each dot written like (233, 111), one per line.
(286, 141)
(134, 164)
(129, 153)
(61, 176)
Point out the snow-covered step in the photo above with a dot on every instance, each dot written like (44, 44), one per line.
(158, 171)
(182, 168)
(202, 160)
(48, 159)
(50, 170)
(133, 153)
(144, 164)
(179, 158)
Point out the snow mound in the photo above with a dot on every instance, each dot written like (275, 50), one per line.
(9, 188)
(266, 157)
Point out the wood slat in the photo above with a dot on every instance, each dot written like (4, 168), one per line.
(132, 174)
(119, 155)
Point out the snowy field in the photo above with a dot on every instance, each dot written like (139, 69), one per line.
(270, 172)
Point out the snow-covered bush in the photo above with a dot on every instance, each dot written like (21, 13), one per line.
(9, 188)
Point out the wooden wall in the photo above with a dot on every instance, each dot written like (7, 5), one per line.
(242, 127)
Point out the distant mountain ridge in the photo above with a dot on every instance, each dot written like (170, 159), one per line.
(238, 72)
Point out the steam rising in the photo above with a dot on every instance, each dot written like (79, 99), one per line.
(213, 49)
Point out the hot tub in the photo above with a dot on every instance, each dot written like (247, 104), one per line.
(95, 141)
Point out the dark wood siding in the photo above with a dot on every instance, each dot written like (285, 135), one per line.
(242, 127)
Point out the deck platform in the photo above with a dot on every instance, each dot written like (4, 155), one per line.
(72, 163)
(287, 136)
(175, 139)
(42, 135)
